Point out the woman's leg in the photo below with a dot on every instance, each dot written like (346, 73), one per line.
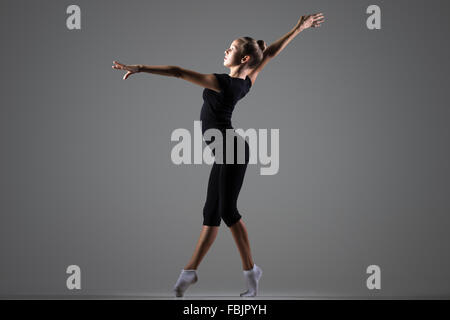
(206, 239)
(231, 180)
(211, 220)
(252, 272)
(188, 275)
(240, 236)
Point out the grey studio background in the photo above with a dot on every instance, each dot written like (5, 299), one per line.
(86, 176)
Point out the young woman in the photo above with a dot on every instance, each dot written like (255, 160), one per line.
(245, 58)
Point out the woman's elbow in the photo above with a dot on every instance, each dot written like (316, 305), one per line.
(176, 71)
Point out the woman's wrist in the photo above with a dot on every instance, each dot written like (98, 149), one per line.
(299, 29)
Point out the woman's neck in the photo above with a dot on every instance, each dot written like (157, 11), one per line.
(237, 72)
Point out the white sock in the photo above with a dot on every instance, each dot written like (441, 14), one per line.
(252, 278)
(186, 278)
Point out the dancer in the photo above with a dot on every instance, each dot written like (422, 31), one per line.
(245, 58)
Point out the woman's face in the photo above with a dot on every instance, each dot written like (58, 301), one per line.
(232, 55)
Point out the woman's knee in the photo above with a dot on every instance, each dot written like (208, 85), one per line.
(211, 221)
(211, 216)
(231, 221)
(230, 216)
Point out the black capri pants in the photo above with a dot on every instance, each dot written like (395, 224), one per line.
(225, 182)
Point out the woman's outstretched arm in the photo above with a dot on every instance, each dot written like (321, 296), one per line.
(204, 80)
(275, 48)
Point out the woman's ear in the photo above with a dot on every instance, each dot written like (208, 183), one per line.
(245, 59)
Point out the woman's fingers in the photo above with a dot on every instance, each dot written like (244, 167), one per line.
(127, 75)
(318, 19)
(121, 66)
(118, 65)
(130, 70)
(316, 25)
(318, 22)
(318, 15)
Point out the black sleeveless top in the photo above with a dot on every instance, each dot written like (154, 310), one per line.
(218, 106)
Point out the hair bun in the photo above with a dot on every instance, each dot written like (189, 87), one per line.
(262, 44)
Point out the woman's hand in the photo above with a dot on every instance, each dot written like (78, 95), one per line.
(309, 21)
(130, 68)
